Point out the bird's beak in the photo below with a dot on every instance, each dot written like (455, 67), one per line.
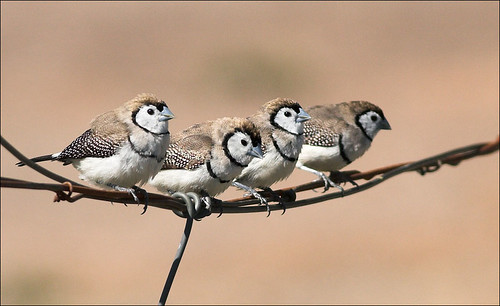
(166, 114)
(384, 125)
(303, 116)
(256, 152)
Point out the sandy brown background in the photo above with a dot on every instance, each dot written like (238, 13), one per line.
(432, 67)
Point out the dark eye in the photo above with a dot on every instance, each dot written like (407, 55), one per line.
(374, 118)
(151, 111)
(244, 142)
(288, 114)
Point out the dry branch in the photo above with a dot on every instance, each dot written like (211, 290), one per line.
(247, 204)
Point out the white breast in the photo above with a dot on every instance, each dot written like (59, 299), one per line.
(266, 171)
(126, 168)
(321, 158)
(188, 180)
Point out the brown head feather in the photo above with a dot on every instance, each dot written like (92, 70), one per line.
(140, 100)
(225, 125)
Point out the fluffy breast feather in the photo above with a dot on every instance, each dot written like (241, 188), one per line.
(182, 180)
(126, 168)
(321, 158)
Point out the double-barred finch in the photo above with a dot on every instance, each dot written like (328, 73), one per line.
(206, 157)
(281, 125)
(123, 147)
(338, 134)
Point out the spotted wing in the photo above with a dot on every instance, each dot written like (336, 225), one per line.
(103, 139)
(89, 144)
(188, 152)
(325, 127)
(317, 134)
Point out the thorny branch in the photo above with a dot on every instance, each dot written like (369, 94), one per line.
(248, 204)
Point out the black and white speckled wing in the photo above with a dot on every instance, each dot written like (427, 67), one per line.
(189, 152)
(325, 127)
(316, 134)
(105, 136)
(89, 144)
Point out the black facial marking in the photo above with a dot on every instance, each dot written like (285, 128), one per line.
(226, 149)
(159, 105)
(254, 135)
(159, 159)
(342, 151)
(212, 173)
(358, 123)
(289, 158)
(155, 104)
(293, 105)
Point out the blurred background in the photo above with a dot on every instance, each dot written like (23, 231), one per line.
(432, 67)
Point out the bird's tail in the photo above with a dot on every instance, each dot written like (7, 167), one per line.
(39, 159)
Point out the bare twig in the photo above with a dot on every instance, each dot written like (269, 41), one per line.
(34, 166)
(423, 166)
(250, 204)
(192, 210)
(156, 200)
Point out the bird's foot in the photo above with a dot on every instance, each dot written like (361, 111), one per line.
(146, 198)
(132, 191)
(343, 177)
(329, 183)
(254, 193)
(276, 198)
(263, 201)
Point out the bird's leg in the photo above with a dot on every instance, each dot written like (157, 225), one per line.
(276, 197)
(146, 198)
(205, 198)
(129, 190)
(328, 182)
(132, 192)
(254, 193)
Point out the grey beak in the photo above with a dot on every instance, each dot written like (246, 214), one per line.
(303, 116)
(384, 125)
(166, 114)
(256, 152)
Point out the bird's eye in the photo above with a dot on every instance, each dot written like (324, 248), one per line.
(288, 114)
(244, 142)
(151, 111)
(374, 118)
